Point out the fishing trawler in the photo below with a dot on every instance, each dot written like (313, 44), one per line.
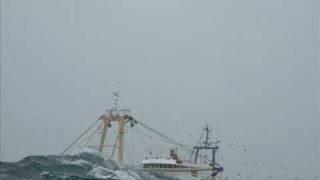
(171, 166)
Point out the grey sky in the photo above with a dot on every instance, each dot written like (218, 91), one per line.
(249, 68)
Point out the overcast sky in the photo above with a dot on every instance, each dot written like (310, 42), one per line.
(248, 68)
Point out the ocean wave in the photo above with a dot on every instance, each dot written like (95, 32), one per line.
(83, 165)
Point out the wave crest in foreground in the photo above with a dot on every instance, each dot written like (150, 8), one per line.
(81, 166)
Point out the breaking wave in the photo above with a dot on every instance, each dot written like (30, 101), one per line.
(83, 165)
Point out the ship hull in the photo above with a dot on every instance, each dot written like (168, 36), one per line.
(184, 175)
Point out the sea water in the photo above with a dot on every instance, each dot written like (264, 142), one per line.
(83, 165)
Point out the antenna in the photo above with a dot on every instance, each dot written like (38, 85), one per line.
(115, 110)
(115, 96)
(208, 131)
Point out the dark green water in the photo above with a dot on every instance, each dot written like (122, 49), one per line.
(83, 166)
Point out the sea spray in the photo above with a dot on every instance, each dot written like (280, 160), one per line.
(83, 165)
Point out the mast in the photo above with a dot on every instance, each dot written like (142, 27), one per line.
(207, 130)
(208, 146)
(120, 116)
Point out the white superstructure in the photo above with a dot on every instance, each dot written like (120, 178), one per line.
(172, 168)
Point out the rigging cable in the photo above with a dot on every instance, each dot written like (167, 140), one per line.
(149, 136)
(79, 137)
(92, 136)
(198, 143)
(174, 142)
(164, 136)
(142, 137)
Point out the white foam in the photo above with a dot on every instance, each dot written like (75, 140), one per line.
(125, 175)
(76, 162)
(88, 150)
(101, 172)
